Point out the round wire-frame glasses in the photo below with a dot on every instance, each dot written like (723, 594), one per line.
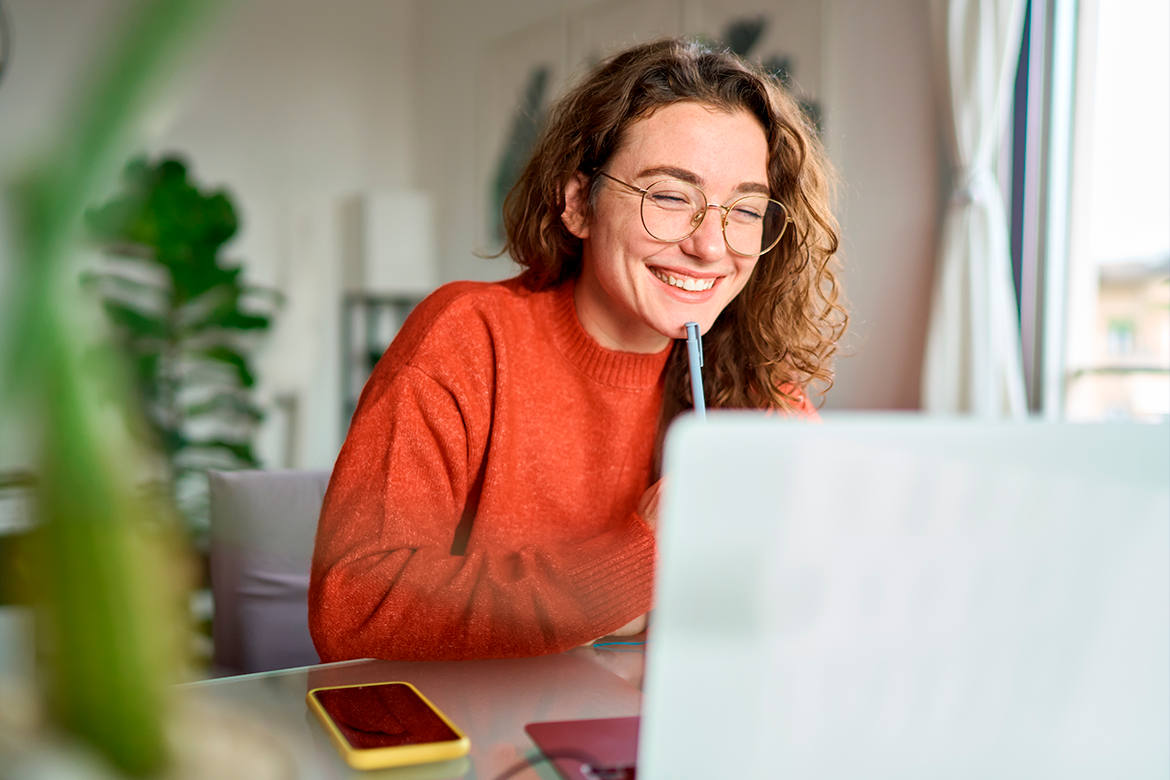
(673, 210)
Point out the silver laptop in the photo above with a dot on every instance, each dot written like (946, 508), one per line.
(897, 597)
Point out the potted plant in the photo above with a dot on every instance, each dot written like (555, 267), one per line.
(185, 317)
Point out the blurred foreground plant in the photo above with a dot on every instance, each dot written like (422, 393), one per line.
(106, 622)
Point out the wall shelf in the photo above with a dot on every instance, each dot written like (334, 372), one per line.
(368, 324)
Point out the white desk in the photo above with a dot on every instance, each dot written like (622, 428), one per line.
(490, 700)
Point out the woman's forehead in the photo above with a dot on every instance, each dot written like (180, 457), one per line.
(697, 143)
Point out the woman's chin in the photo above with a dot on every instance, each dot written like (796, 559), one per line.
(676, 327)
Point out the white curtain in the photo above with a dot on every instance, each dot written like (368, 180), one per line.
(972, 363)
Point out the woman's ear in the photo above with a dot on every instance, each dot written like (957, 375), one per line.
(574, 215)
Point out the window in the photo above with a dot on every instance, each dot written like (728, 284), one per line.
(1120, 241)
(1091, 208)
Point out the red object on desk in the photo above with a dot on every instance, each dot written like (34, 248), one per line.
(598, 749)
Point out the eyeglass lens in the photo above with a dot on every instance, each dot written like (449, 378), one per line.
(672, 211)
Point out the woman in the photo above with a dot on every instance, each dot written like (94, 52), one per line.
(497, 493)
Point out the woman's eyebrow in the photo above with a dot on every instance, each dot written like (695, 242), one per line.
(754, 187)
(682, 174)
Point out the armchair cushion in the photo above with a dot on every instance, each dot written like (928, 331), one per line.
(262, 528)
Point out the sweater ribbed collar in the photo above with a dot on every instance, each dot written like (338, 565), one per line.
(630, 370)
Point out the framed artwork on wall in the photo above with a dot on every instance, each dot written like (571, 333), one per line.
(522, 74)
(785, 36)
(608, 27)
(520, 77)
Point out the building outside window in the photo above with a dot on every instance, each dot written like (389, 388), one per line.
(1117, 344)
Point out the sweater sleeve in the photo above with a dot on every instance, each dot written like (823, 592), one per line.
(388, 577)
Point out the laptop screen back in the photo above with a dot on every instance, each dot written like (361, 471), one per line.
(897, 597)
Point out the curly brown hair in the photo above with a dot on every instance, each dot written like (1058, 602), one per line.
(777, 338)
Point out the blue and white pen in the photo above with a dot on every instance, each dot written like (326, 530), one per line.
(695, 358)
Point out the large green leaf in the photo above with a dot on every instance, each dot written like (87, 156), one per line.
(149, 298)
(219, 357)
(240, 451)
(161, 208)
(141, 326)
(219, 309)
(238, 320)
(232, 404)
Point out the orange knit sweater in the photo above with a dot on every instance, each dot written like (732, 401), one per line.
(483, 503)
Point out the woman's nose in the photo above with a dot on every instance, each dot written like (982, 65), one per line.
(706, 243)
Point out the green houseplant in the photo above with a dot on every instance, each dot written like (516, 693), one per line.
(186, 319)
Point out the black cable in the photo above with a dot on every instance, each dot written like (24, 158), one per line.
(5, 41)
(607, 773)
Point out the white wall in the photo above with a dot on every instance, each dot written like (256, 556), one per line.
(297, 105)
(294, 104)
(52, 45)
(883, 137)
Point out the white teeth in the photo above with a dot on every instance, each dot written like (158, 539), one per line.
(694, 285)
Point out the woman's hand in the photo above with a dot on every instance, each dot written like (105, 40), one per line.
(635, 626)
(648, 505)
(648, 511)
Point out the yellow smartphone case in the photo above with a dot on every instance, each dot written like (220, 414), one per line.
(398, 755)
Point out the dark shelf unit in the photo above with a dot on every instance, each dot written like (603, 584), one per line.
(368, 325)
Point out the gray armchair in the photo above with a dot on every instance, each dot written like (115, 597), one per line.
(262, 528)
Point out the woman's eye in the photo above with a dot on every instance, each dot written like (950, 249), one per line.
(746, 214)
(674, 200)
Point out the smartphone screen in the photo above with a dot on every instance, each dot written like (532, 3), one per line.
(383, 715)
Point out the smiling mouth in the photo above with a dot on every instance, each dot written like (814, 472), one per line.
(689, 284)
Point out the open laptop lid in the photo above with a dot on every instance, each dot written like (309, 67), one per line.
(902, 597)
